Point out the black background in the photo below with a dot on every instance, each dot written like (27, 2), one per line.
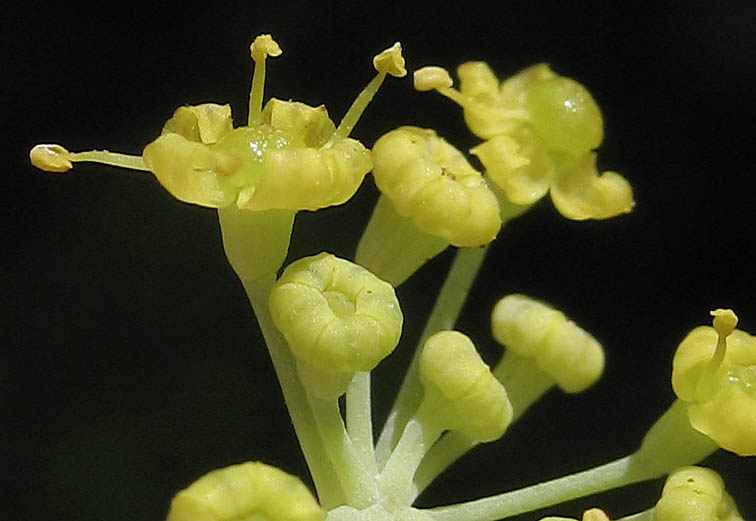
(132, 363)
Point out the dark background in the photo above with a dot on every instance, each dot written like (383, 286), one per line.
(132, 363)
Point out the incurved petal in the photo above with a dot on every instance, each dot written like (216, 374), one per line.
(490, 109)
(308, 178)
(580, 193)
(187, 170)
(729, 419)
(205, 123)
(300, 122)
(522, 170)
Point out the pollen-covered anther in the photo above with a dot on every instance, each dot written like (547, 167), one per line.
(391, 61)
(431, 77)
(724, 321)
(50, 158)
(264, 46)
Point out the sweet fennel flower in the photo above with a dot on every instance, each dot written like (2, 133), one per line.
(714, 373)
(540, 132)
(251, 490)
(289, 156)
(338, 319)
(695, 493)
(431, 197)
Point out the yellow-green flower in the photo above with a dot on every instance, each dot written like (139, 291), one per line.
(281, 163)
(289, 156)
(695, 493)
(464, 393)
(338, 319)
(714, 372)
(251, 490)
(430, 182)
(558, 346)
(540, 132)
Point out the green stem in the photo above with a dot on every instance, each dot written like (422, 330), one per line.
(358, 106)
(396, 480)
(392, 247)
(524, 382)
(295, 397)
(256, 244)
(254, 116)
(359, 420)
(109, 158)
(448, 304)
(670, 443)
(615, 474)
(446, 451)
(359, 486)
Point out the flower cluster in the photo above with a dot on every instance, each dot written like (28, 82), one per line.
(328, 321)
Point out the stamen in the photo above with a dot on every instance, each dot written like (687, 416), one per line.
(55, 158)
(389, 61)
(263, 46)
(724, 323)
(437, 78)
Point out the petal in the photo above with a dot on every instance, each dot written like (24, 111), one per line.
(300, 122)
(486, 113)
(186, 169)
(308, 178)
(691, 357)
(729, 419)
(579, 193)
(477, 79)
(206, 123)
(518, 166)
(516, 87)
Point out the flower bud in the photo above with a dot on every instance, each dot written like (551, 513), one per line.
(466, 394)
(559, 347)
(336, 316)
(695, 493)
(251, 490)
(431, 182)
